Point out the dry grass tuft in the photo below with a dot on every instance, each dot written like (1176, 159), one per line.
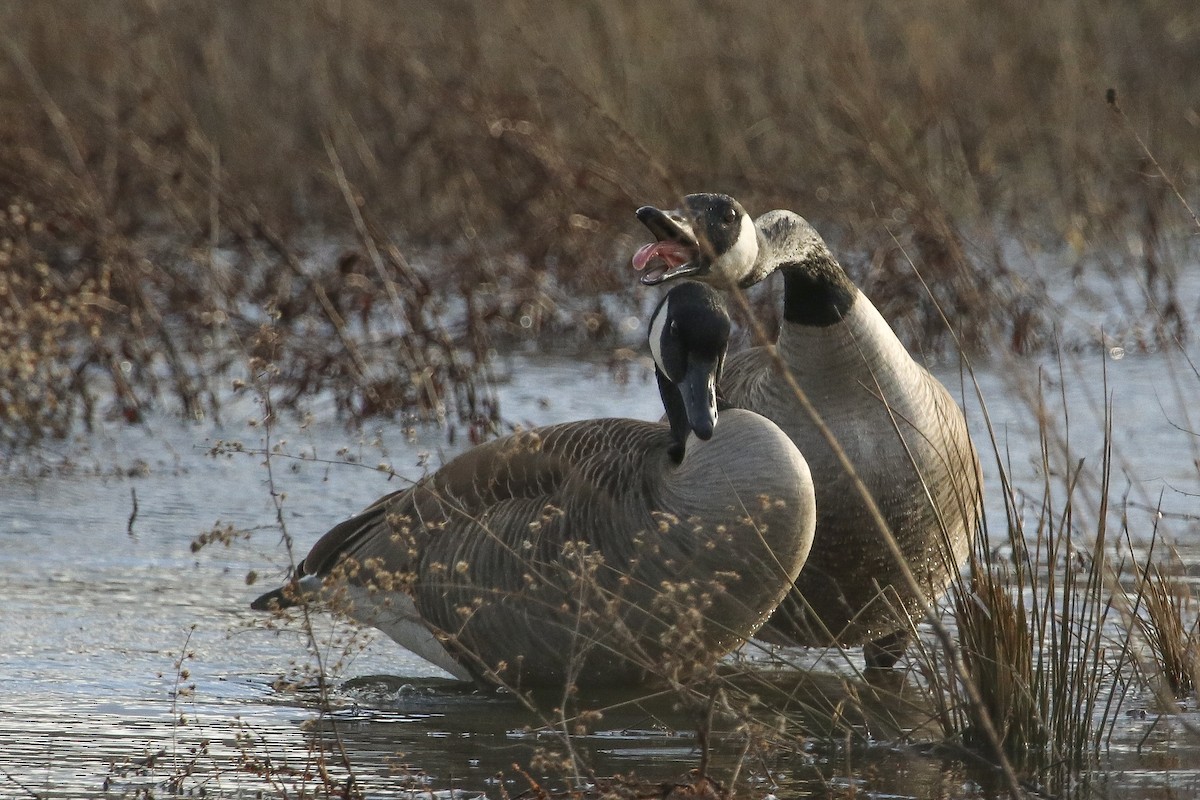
(1168, 623)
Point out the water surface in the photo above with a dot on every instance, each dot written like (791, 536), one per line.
(130, 661)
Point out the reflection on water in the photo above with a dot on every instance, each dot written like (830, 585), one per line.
(113, 631)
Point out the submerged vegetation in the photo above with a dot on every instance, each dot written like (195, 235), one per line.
(361, 201)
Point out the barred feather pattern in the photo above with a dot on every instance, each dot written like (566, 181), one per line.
(581, 552)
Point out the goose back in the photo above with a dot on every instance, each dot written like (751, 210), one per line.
(581, 551)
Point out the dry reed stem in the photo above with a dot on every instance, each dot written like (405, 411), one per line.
(1111, 99)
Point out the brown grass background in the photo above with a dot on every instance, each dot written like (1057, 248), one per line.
(507, 144)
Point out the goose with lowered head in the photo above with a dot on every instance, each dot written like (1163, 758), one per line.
(900, 428)
(592, 553)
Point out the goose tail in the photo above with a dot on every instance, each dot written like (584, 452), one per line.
(290, 594)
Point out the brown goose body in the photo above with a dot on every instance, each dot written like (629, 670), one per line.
(596, 552)
(899, 427)
(579, 551)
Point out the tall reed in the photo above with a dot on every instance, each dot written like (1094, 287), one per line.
(1035, 622)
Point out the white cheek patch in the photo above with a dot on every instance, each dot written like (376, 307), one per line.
(657, 325)
(739, 259)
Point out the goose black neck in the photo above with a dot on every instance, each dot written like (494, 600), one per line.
(816, 292)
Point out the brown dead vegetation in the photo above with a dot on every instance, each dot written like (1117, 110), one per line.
(172, 177)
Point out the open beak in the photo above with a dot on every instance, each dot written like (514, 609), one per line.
(675, 254)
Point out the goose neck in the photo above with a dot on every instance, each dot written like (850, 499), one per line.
(817, 292)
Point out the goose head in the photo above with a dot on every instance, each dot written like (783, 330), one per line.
(711, 238)
(689, 333)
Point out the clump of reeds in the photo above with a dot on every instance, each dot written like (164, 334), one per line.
(1035, 622)
(1163, 611)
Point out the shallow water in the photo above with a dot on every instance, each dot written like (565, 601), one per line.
(131, 662)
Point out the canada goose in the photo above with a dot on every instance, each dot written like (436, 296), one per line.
(899, 427)
(588, 551)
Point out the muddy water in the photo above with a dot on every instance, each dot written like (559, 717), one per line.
(129, 662)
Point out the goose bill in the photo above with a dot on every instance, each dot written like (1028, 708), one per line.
(675, 254)
(699, 391)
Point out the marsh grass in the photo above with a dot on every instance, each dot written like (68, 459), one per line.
(99, 325)
(157, 205)
(1164, 613)
(1035, 621)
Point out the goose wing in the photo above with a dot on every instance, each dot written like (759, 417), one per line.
(483, 552)
(484, 502)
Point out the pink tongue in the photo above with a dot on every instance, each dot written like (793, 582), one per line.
(672, 253)
(643, 255)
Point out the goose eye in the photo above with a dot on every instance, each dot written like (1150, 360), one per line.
(730, 215)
